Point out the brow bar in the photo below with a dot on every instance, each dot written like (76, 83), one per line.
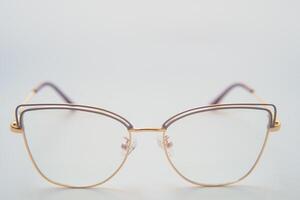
(219, 98)
(14, 126)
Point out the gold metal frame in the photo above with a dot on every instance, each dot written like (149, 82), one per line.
(17, 127)
(165, 147)
(72, 186)
(276, 127)
(139, 130)
(14, 127)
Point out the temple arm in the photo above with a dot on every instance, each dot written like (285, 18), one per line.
(221, 96)
(50, 85)
(14, 126)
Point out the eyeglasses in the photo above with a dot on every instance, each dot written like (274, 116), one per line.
(81, 146)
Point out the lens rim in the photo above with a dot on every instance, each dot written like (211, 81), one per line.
(72, 107)
(23, 108)
(198, 110)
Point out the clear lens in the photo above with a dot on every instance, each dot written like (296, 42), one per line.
(217, 147)
(73, 147)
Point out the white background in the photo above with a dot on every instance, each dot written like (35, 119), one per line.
(148, 60)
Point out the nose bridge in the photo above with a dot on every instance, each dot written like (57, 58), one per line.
(141, 130)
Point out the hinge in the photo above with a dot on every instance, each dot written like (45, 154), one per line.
(276, 127)
(15, 128)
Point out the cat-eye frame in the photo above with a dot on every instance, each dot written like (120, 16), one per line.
(82, 146)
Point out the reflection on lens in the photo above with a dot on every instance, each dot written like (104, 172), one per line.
(217, 147)
(75, 148)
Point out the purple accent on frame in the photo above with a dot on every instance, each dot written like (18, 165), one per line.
(59, 91)
(219, 98)
(83, 108)
(165, 125)
(254, 106)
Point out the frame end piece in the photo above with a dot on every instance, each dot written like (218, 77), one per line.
(276, 127)
(15, 128)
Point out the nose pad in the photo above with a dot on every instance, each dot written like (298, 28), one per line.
(127, 147)
(167, 143)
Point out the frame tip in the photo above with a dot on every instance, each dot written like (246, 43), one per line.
(276, 127)
(14, 127)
